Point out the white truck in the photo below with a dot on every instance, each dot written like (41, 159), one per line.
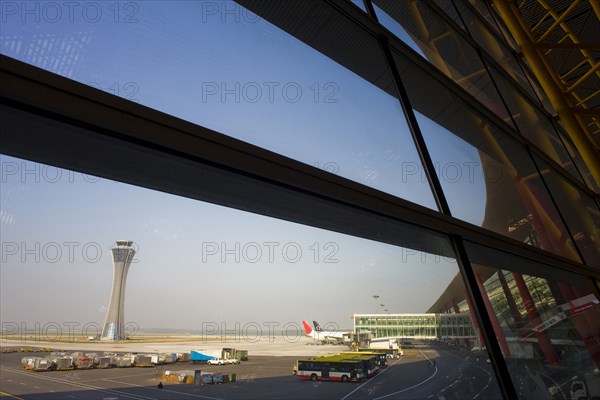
(222, 361)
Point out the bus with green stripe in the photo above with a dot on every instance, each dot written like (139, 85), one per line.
(370, 361)
(330, 368)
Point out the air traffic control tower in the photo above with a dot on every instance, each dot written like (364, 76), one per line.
(114, 327)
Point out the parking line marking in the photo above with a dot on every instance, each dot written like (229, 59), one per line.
(163, 390)
(370, 380)
(11, 396)
(413, 386)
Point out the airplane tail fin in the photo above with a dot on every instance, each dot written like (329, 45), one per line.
(317, 326)
(307, 327)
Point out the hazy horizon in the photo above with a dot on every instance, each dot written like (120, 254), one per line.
(196, 262)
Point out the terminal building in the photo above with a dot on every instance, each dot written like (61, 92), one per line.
(428, 326)
(504, 95)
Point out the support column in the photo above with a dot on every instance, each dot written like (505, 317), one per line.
(457, 311)
(584, 328)
(575, 129)
(534, 318)
(475, 324)
(493, 318)
(512, 305)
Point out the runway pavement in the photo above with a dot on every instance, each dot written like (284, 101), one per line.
(263, 346)
(456, 375)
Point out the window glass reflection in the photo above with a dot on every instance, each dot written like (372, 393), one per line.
(419, 25)
(533, 123)
(267, 274)
(546, 323)
(580, 212)
(221, 66)
(488, 178)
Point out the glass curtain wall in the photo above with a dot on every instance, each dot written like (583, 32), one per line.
(546, 321)
(318, 84)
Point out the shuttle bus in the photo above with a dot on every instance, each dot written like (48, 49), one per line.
(370, 362)
(331, 368)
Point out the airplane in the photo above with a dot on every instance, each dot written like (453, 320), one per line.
(345, 337)
(319, 334)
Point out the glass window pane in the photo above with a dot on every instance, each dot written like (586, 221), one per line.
(582, 168)
(546, 322)
(449, 9)
(219, 65)
(497, 49)
(441, 45)
(539, 92)
(360, 4)
(580, 212)
(397, 29)
(202, 274)
(533, 123)
(483, 9)
(488, 178)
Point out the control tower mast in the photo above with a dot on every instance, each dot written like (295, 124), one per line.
(114, 327)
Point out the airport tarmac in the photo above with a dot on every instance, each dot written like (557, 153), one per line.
(263, 346)
(456, 375)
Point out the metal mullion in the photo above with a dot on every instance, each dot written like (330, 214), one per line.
(499, 364)
(498, 35)
(501, 29)
(537, 105)
(491, 117)
(37, 93)
(373, 27)
(523, 140)
(516, 126)
(556, 207)
(476, 46)
(581, 185)
(413, 125)
(562, 171)
(596, 286)
(480, 52)
(522, 67)
(483, 319)
(562, 138)
(487, 70)
(502, 99)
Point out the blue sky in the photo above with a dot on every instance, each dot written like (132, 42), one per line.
(174, 57)
(179, 280)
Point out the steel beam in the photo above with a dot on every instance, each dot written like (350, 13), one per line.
(582, 139)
